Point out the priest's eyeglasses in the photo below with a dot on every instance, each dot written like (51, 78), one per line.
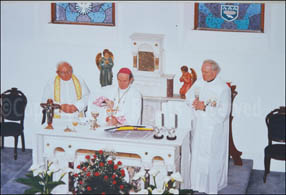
(65, 72)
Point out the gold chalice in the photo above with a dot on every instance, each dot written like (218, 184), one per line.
(94, 123)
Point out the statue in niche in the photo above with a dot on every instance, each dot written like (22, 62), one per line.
(188, 78)
(105, 64)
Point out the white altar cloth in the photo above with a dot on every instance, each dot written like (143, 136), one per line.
(175, 153)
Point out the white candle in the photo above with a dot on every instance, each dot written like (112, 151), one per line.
(176, 121)
(158, 119)
(169, 122)
(163, 119)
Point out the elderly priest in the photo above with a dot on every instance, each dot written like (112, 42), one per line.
(125, 101)
(68, 90)
(210, 101)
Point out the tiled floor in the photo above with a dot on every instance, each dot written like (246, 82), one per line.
(11, 169)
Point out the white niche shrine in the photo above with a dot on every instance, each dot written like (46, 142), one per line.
(149, 65)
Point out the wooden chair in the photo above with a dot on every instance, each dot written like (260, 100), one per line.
(275, 122)
(233, 151)
(13, 105)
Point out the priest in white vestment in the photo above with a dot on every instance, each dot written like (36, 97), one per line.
(210, 101)
(123, 100)
(68, 90)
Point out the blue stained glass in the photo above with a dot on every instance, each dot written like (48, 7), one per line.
(242, 24)
(71, 16)
(204, 9)
(106, 6)
(97, 16)
(211, 16)
(64, 5)
(253, 9)
(213, 22)
(93, 13)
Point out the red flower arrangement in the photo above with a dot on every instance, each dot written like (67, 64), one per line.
(99, 174)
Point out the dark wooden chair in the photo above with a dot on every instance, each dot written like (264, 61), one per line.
(233, 151)
(275, 122)
(13, 105)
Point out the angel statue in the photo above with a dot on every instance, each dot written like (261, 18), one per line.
(105, 65)
(188, 78)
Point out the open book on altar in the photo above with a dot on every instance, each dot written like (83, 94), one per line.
(130, 128)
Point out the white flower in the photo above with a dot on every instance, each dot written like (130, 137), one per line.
(143, 191)
(66, 169)
(36, 166)
(174, 191)
(53, 167)
(168, 178)
(154, 172)
(138, 175)
(62, 175)
(38, 171)
(157, 191)
(49, 173)
(177, 176)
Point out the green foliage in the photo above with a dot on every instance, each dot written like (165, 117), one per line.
(186, 191)
(100, 175)
(40, 181)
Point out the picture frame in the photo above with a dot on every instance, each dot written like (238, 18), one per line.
(231, 17)
(83, 13)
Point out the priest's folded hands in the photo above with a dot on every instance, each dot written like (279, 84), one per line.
(69, 108)
(199, 105)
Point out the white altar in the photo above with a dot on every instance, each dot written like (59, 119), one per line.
(138, 147)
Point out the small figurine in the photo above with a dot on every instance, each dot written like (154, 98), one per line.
(188, 79)
(48, 111)
(105, 65)
(94, 123)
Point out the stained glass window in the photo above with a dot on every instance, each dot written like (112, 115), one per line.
(248, 17)
(84, 13)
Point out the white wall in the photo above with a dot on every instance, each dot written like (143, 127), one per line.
(31, 47)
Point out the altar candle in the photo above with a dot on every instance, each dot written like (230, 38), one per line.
(162, 118)
(176, 121)
(170, 120)
(158, 119)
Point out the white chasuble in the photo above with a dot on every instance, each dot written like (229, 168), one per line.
(68, 93)
(128, 104)
(210, 137)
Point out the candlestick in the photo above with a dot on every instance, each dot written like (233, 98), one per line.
(158, 119)
(176, 121)
(162, 118)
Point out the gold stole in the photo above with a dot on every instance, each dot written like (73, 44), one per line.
(57, 90)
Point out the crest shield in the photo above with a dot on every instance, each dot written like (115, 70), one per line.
(229, 12)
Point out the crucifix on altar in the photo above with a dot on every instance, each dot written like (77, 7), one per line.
(48, 112)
